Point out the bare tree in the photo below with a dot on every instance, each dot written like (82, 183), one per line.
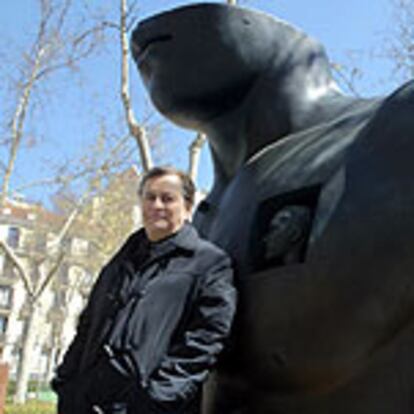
(57, 46)
(36, 277)
(396, 46)
(137, 131)
(347, 77)
(399, 45)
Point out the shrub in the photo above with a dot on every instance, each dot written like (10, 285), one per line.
(32, 407)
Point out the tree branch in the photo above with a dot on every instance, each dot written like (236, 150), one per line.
(19, 266)
(136, 130)
(195, 151)
(49, 276)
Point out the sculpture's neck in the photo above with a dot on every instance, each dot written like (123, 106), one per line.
(228, 142)
(318, 106)
(236, 137)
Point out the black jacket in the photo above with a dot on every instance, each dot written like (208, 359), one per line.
(153, 327)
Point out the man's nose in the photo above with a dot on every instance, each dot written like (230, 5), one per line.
(158, 202)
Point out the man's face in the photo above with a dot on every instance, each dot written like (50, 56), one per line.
(164, 209)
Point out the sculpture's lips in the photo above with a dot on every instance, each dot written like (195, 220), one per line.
(141, 45)
(160, 27)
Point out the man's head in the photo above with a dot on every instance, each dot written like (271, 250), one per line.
(167, 197)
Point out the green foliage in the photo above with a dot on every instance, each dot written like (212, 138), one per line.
(32, 407)
(34, 387)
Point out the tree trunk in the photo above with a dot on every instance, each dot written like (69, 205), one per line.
(195, 150)
(137, 131)
(24, 369)
(51, 363)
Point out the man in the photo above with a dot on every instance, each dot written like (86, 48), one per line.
(156, 318)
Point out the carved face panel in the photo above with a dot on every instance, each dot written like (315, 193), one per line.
(200, 61)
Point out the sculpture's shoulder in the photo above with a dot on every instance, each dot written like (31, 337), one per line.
(386, 143)
(403, 95)
(394, 113)
(376, 201)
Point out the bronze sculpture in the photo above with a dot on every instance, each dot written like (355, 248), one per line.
(312, 197)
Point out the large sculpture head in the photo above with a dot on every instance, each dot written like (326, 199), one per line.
(203, 61)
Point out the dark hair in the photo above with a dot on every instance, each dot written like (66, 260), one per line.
(188, 187)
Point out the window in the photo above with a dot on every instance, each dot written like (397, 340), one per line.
(8, 269)
(79, 246)
(40, 242)
(5, 296)
(51, 245)
(59, 298)
(3, 324)
(63, 273)
(13, 237)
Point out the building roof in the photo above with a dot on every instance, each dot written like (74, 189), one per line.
(24, 211)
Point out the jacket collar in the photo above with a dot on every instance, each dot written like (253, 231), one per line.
(185, 239)
(138, 246)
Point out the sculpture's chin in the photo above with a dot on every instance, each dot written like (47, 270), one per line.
(184, 119)
(197, 105)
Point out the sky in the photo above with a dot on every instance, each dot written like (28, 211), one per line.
(352, 32)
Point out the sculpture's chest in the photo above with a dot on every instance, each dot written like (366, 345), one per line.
(305, 173)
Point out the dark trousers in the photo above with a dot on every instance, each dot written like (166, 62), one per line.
(104, 391)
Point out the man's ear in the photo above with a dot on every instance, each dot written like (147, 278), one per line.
(189, 208)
